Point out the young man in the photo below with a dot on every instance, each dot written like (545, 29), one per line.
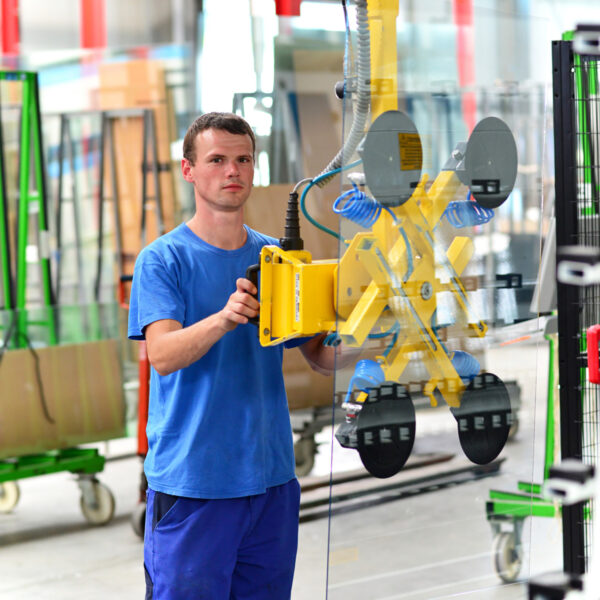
(223, 500)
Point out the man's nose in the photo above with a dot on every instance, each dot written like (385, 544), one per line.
(232, 169)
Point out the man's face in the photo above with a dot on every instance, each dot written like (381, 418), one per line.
(223, 171)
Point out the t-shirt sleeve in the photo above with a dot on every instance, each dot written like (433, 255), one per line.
(155, 294)
(295, 342)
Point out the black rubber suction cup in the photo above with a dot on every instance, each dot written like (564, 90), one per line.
(383, 432)
(392, 157)
(489, 167)
(484, 418)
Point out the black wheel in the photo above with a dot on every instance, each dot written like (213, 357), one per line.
(386, 431)
(304, 453)
(484, 418)
(138, 519)
(514, 428)
(507, 556)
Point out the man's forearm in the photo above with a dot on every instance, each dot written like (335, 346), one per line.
(326, 359)
(172, 347)
(169, 351)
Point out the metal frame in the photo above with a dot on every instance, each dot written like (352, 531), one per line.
(576, 224)
(150, 165)
(32, 201)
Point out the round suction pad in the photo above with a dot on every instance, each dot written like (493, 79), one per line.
(490, 163)
(386, 431)
(484, 418)
(392, 158)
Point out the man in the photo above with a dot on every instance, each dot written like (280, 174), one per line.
(223, 500)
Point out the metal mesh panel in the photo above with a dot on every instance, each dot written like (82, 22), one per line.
(587, 138)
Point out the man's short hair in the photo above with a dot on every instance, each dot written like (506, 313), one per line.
(215, 120)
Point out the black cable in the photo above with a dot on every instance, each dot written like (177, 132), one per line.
(36, 360)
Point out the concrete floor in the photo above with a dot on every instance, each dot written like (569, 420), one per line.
(428, 546)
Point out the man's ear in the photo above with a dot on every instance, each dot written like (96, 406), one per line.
(186, 170)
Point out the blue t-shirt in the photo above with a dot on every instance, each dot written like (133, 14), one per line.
(219, 428)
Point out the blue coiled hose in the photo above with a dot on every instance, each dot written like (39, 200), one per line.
(356, 206)
(461, 213)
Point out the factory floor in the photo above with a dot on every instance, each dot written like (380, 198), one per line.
(431, 544)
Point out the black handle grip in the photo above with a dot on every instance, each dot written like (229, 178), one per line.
(252, 274)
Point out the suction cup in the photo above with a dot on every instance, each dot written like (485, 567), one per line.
(383, 431)
(490, 163)
(392, 158)
(484, 418)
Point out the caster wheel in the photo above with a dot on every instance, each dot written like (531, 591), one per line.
(138, 519)
(102, 509)
(9, 496)
(507, 557)
(514, 428)
(304, 452)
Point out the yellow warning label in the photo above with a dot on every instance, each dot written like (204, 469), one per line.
(411, 152)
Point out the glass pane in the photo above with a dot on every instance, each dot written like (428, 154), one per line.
(441, 420)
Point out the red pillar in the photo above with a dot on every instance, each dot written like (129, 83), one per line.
(93, 24)
(465, 58)
(287, 8)
(10, 26)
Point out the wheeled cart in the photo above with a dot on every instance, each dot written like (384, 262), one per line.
(97, 502)
(507, 510)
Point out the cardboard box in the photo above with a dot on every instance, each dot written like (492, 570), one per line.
(305, 388)
(139, 84)
(139, 72)
(266, 208)
(80, 388)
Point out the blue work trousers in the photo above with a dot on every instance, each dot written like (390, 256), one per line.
(226, 549)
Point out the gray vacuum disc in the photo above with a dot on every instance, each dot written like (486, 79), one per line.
(490, 164)
(392, 157)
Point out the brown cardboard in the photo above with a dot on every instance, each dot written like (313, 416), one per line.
(130, 97)
(139, 72)
(266, 208)
(305, 388)
(82, 388)
(139, 84)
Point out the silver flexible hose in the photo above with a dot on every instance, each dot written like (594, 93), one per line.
(363, 92)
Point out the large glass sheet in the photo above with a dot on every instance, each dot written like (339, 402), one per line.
(449, 406)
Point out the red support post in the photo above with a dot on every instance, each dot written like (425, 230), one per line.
(93, 24)
(465, 58)
(287, 8)
(10, 27)
(143, 398)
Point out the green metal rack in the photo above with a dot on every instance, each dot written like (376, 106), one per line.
(97, 502)
(32, 200)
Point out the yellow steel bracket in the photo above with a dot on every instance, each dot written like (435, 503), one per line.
(295, 295)
(392, 272)
(406, 278)
(384, 56)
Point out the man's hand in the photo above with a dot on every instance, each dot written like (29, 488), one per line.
(241, 306)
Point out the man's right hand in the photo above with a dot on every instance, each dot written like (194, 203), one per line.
(241, 306)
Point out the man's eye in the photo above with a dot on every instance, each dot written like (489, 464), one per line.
(245, 159)
(216, 159)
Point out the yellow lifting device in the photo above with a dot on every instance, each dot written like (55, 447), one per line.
(389, 276)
